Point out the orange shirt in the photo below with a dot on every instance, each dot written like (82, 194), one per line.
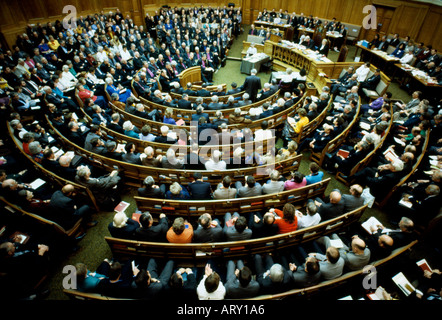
(283, 225)
(185, 237)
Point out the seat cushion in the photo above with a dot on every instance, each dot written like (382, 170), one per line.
(370, 93)
(381, 87)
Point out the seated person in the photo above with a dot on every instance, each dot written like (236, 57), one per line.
(122, 227)
(148, 231)
(151, 190)
(180, 232)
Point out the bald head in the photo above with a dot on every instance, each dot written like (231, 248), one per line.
(385, 241)
(335, 197)
(68, 189)
(357, 245)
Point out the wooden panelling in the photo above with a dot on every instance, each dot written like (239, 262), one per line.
(419, 20)
(431, 29)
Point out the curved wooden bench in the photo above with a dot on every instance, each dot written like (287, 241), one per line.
(162, 147)
(196, 254)
(54, 178)
(224, 98)
(362, 164)
(49, 225)
(135, 174)
(301, 293)
(305, 293)
(191, 208)
(186, 115)
(384, 201)
(333, 144)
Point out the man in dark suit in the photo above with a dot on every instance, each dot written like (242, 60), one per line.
(234, 89)
(115, 125)
(252, 85)
(425, 209)
(265, 92)
(345, 85)
(198, 189)
(193, 161)
(214, 105)
(371, 82)
(266, 112)
(203, 92)
(65, 210)
(353, 200)
(332, 209)
(383, 44)
(272, 277)
(148, 231)
(75, 135)
(239, 284)
(189, 91)
(140, 87)
(199, 113)
(208, 230)
(184, 102)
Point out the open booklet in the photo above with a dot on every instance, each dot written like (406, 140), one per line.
(377, 295)
(372, 221)
(337, 243)
(390, 155)
(402, 282)
(37, 183)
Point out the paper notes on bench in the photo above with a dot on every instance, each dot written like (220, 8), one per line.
(37, 183)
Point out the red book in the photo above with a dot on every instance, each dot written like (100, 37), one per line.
(423, 264)
(343, 153)
(121, 206)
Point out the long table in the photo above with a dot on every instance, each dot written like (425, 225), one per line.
(383, 59)
(419, 80)
(286, 29)
(254, 62)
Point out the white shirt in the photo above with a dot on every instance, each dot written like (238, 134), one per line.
(288, 77)
(307, 220)
(212, 165)
(362, 72)
(102, 56)
(406, 58)
(261, 135)
(251, 51)
(218, 294)
(125, 55)
(68, 76)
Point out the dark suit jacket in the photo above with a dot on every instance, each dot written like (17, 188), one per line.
(203, 93)
(184, 104)
(330, 210)
(155, 193)
(371, 82)
(351, 202)
(156, 233)
(200, 190)
(126, 232)
(212, 234)
(252, 85)
(63, 211)
(194, 162)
